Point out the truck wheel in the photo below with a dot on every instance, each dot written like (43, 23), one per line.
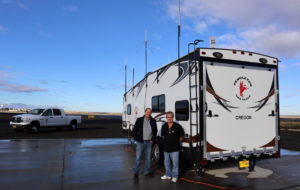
(34, 128)
(73, 126)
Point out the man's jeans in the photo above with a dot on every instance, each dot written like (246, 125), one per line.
(172, 159)
(143, 149)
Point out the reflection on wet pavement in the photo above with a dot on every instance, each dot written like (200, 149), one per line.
(107, 164)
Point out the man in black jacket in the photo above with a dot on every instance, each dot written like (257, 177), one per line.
(172, 134)
(144, 132)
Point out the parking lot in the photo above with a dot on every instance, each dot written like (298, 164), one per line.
(107, 164)
(99, 156)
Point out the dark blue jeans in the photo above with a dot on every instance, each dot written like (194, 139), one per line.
(143, 149)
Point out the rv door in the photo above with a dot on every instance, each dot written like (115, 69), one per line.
(241, 109)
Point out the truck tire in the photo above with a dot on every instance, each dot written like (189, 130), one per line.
(34, 128)
(73, 125)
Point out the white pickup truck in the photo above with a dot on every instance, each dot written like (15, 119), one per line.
(44, 118)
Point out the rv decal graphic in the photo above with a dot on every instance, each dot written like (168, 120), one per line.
(243, 84)
(183, 71)
(223, 102)
(140, 86)
(262, 102)
(161, 72)
(160, 117)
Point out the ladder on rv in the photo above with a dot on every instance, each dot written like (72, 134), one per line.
(194, 107)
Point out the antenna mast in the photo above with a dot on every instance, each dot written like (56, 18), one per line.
(125, 77)
(179, 20)
(132, 77)
(146, 47)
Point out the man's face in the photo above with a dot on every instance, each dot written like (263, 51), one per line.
(170, 118)
(148, 113)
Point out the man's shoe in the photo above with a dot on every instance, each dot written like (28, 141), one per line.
(136, 176)
(165, 177)
(174, 179)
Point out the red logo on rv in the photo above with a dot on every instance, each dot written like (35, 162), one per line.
(243, 85)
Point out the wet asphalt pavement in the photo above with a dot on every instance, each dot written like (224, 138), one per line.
(107, 164)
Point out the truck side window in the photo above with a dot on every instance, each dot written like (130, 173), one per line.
(48, 112)
(129, 109)
(182, 110)
(158, 103)
(57, 112)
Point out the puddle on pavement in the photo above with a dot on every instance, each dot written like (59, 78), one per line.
(104, 142)
(285, 152)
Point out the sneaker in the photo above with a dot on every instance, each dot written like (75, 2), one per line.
(174, 179)
(165, 177)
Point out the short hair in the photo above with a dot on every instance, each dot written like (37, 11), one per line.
(170, 112)
(148, 109)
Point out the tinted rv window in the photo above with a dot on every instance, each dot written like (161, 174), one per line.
(129, 109)
(158, 103)
(182, 110)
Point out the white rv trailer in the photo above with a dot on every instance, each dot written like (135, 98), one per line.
(227, 102)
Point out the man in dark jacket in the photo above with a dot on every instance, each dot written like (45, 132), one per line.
(144, 132)
(172, 134)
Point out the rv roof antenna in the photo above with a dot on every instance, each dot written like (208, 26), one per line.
(132, 77)
(179, 20)
(125, 77)
(146, 47)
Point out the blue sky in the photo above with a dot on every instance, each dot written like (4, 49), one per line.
(71, 53)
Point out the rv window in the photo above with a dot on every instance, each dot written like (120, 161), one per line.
(182, 110)
(129, 109)
(158, 103)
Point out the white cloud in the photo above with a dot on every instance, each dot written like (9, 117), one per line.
(282, 66)
(296, 64)
(70, 8)
(268, 40)
(269, 26)
(16, 3)
(290, 96)
(2, 28)
(44, 34)
(200, 27)
(11, 87)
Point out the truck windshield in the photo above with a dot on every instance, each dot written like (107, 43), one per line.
(36, 111)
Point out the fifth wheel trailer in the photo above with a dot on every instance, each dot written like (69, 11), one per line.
(226, 100)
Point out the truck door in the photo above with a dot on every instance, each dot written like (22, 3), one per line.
(240, 108)
(48, 119)
(59, 120)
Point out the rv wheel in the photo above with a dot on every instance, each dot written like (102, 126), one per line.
(156, 154)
